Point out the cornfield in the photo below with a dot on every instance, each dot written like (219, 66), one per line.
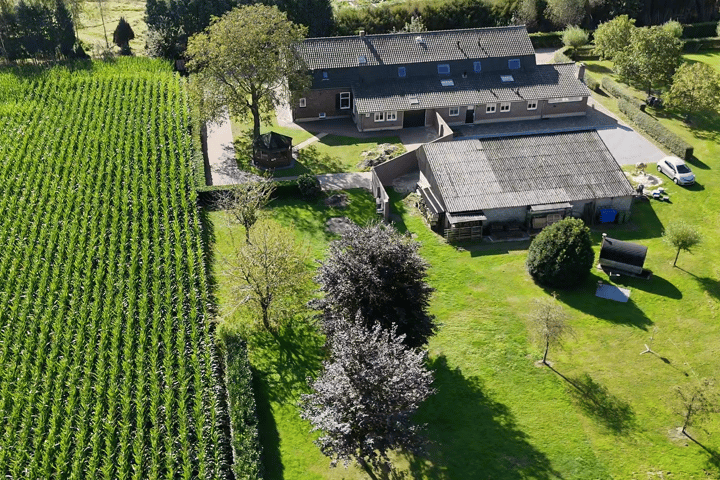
(107, 367)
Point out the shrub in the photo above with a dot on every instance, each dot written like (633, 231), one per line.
(614, 89)
(562, 254)
(700, 30)
(561, 56)
(309, 186)
(574, 37)
(591, 82)
(656, 130)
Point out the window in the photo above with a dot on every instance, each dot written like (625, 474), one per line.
(325, 75)
(321, 115)
(402, 73)
(390, 116)
(565, 100)
(454, 111)
(532, 105)
(447, 82)
(413, 100)
(505, 107)
(507, 78)
(443, 69)
(514, 64)
(379, 116)
(303, 103)
(362, 60)
(477, 66)
(490, 108)
(344, 100)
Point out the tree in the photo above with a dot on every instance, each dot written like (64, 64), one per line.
(415, 25)
(269, 272)
(575, 37)
(242, 61)
(102, 19)
(566, 12)
(65, 29)
(652, 57)
(366, 395)
(550, 323)
(561, 255)
(695, 89)
(122, 35)
(243, 202)
(613, 37)
(377, 273)
(681, 236)
(696, 402)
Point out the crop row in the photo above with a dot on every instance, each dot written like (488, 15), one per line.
(106, 351)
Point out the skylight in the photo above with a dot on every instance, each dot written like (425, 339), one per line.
(413, 100)
(507, 78)
(362, 59)
(447, 82)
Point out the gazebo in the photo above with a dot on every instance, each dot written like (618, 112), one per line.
(625, 258)
(272, 150)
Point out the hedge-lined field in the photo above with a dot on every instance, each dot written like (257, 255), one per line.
(106, 362)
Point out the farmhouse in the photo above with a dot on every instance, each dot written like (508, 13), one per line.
(471, 186)
(400, 80)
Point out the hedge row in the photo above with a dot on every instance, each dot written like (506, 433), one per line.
(562, 57)
(614, 89)
(696, 44)
(591, 82)
(247, 450)
(700, 30)
(546, 39)
(209, 195)
(652, 127)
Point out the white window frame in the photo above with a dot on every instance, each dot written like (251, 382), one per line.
(505, 107)
(454, 111)
(302, 102)
(379, 116)
(491, 108)
(477, 67)
(532, 104)
(345, 97)
(391, 116)
(443, 67)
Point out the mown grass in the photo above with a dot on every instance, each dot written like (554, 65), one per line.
(602, 411)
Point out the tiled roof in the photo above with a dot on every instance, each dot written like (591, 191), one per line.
(403, 48)
(474, 175)
(545, 81)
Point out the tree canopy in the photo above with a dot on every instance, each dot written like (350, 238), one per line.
(575, 37)
(364, 399)
(376, 273)
(35, 30)
(613, 37)
(122, 35)
(242, 61)
(682, 236)
(561, 255)
(695, 89)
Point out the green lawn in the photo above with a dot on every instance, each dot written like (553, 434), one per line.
(330, 154)
(498, 416)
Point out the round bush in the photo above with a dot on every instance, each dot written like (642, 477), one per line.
(561, 255)
(309, 186)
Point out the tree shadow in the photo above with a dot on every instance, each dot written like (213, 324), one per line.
(656, 285)
(583, 299)
(309, 159)
(714, 455)
(472, 436)
(598, 69)
(644, 224)
(267, 430)
(711, 286)
(597, 402)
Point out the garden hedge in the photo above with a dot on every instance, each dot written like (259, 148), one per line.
(700, 30)
(655, 129)
(247, 451)
(591, 82)
(614, 89)
(546, 39)
(695, 44)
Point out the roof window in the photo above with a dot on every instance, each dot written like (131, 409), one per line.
(419, 39)
(507, 78)
(447, 82)
(413, 100)
(443, 69)
(325, 75)
(514, 64)
(477, 67)
(402, 73)
(362, 60)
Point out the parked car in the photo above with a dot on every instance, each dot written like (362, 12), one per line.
(677, 170)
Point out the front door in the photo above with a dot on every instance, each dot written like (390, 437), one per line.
(470, 116)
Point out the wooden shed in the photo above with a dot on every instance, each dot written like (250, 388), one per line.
(272, 150)
(624, 258)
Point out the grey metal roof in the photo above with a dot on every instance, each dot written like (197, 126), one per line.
(623, 252)
(404, 48)
(474, 175)
(545, 81)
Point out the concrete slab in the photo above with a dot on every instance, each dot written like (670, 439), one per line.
(611, 292)
(344, 181)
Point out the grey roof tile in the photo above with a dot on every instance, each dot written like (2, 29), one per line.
(545, 81)
(403, 48)
(507, 172)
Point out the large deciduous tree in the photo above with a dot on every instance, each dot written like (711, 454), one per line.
(243, 202)
(652, 57)
(376, 272)
(695, 89)
(366, 395)
(682, 236)
(613, 37)
(269, 272)
(561, 255)
(244, 62)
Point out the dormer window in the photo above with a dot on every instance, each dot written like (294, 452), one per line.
(477, 67)
(413, 100)
(507, 78)
(443, 69)
(325, 75)
(402, 73)
(514, 64)
(447, 82)
(362, 60)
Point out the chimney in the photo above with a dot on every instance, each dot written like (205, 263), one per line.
(362, 33)
(581, 72)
